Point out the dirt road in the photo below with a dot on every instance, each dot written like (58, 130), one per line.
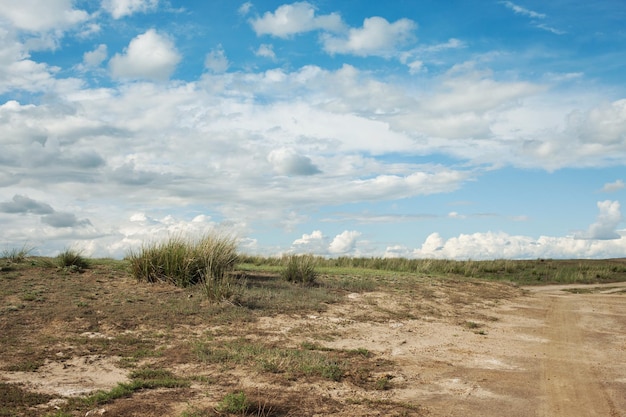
(583, 356)
(558, 351)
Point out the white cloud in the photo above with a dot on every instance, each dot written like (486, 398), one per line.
(96, 57)
(245, 8)
(317, 243)
(480, 246)
(612, 187)
(593, 136)
(291, 19)
(42, 15)
(314, 243)
(376, 37)
(605, 226)
(601, 240)
(266, 50)
(605, 124)
(216, 60)
(416, 67)
(121, 8)
(523, 11)
(344, 242)
(551, 29)
(149, 55)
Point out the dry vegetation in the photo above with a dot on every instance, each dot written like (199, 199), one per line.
(167, 350)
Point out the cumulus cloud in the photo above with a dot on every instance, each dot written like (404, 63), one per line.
(216, 60)
(612, 187)
(292, 19)
(96, 57)
(313, 243)
(500, 245)
(43, 15)
(149, 55)
(266, 50)
(288, 162)
(605, 226)
(344, 242)
(122, 8)
(317, 243)
(376, 37)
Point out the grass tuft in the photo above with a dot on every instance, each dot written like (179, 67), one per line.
(299, 269)
(16, 255)
(235, 402)
(185, 262)
(72, 260)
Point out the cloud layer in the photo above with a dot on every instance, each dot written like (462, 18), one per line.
(139, 135)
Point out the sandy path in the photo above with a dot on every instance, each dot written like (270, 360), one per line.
(575, 367)
(552, 353)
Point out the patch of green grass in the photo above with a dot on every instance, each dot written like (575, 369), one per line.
(235, 403)
(278, 360)
(146, 378)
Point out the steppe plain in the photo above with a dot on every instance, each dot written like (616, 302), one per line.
(360, 342)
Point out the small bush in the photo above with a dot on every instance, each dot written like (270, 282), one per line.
(184, 262)
(299, 269)
(72, 260)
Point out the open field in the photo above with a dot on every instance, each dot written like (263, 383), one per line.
(369, 339)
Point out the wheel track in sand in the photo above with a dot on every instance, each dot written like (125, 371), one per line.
(569, 383)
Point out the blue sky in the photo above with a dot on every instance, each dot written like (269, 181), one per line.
(424, 129)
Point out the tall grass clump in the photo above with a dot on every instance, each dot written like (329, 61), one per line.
(185, 262)
(299, 269)
(72, 260)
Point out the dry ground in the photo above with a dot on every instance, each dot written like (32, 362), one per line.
(406, 346)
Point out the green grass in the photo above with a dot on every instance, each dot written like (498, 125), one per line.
(235, 402)
(524, 272)
(184, 262)
(299, 269)
(291, 362)
(146, 378)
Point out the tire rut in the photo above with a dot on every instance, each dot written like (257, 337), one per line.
(569, 384)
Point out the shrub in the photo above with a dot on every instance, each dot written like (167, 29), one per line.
(185, 262)
(299, 269)
(72, 259)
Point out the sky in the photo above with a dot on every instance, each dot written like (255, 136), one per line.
(455, 129)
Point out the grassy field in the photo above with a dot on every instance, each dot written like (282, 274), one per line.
(195, 352)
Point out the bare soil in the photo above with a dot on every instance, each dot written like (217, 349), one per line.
(430, 347)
